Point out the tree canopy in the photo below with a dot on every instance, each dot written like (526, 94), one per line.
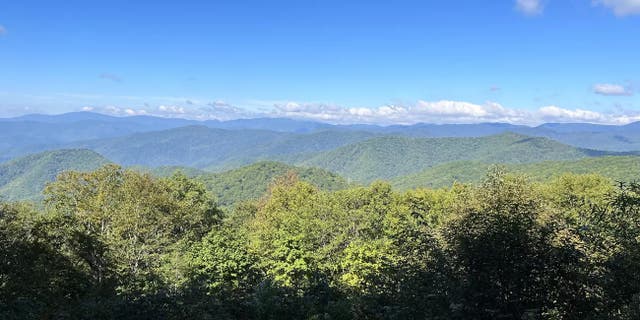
(116, 243)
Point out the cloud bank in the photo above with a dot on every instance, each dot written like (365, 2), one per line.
(442, 111)
(447, 111)
(217, 110)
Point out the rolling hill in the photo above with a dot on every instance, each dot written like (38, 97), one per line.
(409, 155)
(193, 146)
(35, 133)
(388, 157)
(25, 178)
(360, 156)
(216, 149)
(251, 182)
(618, 168)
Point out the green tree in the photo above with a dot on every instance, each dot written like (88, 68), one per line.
(129, 228)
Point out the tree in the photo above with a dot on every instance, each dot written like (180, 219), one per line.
(129, 228)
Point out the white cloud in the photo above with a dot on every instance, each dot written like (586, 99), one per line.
(446, 111)
(218, 110)
(451, 108)
(554, 113)
(620, 7)
(443, 111)
(172, 110)
(135, 112)
(611, 90)
(3, 30)
(116, 111)
(530, 7)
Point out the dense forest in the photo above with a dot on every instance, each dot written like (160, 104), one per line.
(117, 243)
(24, 178)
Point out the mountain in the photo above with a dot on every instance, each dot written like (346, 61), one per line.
(618, 168)
(361, 156)
(582, 135)
(216, 149)
(193, 146)
(428, 162)
(426, 130)
(35, 133)
(271, 124)
(25, 178)
(251, 182)
(610, 138)
(392, 156)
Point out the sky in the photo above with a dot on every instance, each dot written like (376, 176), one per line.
(383, 62)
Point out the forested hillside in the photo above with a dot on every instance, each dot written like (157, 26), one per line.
(251, 182)
(25, 178)
(360, 156)
(390, 157)
(119, 244)
(621, 168)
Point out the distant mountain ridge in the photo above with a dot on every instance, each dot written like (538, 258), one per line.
(360, 156)
(34, 133)
(388, 157)
(360, 153)
(216, 149)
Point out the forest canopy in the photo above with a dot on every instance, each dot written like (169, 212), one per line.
(117, 243)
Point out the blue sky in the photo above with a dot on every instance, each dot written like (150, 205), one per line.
(521, 61)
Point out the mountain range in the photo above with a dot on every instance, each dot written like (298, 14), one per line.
(34, 133)
(25, 178)
(227, 155)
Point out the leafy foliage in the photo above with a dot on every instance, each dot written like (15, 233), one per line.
(251, 182)
(25, 178)
(618, 168)
(122, 244)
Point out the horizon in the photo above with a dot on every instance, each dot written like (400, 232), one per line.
(267, 117)
(513, 61)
